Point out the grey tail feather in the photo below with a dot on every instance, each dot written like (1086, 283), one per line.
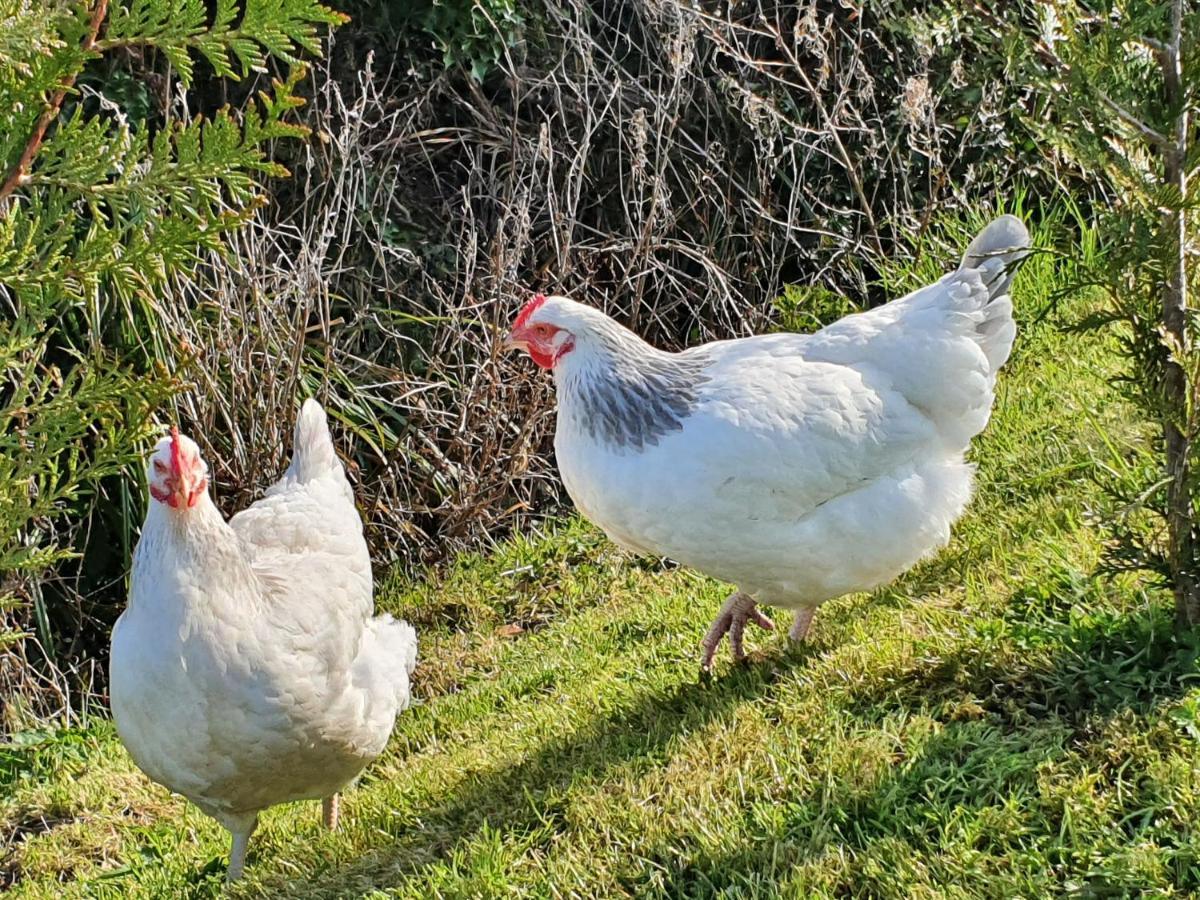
(997, 252)
(312, 448)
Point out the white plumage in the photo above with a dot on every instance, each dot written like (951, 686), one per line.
(797, 467)
(247, 669)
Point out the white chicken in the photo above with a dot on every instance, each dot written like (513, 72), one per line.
(798, 467)
(247, 669)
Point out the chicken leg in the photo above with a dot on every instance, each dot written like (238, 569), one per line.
(800, 622)
(735, 613)
(237, 853)
(329, 811)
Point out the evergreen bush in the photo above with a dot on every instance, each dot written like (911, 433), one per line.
(99, 210)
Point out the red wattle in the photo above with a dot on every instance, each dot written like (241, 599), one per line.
(197, 492)
(542, 359)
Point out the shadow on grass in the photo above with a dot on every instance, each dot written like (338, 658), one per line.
(1032, 678)
(523, 797)
(901, 817)
(1074, 668)
(1045, 657)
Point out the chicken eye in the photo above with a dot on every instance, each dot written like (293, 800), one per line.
(541, 330)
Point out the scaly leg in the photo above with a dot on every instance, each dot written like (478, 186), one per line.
(736, 611)
(329, 811)
(237, 854)
(800, 622)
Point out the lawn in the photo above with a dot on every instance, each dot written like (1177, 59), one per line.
(1004, 721)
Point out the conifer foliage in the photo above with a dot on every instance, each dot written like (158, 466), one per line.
(99, 208)
(1122, 81)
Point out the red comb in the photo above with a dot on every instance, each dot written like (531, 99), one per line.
(529, 309)
(176, 452)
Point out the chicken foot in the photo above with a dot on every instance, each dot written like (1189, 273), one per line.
(735, 613)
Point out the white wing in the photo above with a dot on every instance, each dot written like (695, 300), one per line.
(779, 434)
(942, 346)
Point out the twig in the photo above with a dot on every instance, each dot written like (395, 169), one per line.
(17, 176)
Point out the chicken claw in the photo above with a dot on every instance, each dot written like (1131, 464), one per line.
(735, 613)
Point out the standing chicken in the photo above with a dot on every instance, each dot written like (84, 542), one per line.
(247, 669)
(797, 467)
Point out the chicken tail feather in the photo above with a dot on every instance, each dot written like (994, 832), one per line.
(997, 252)
(312, 454)
(387, 659)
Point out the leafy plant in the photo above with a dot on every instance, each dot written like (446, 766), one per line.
(804, 308)
(1121, 86)
(97, 213)
(474, 34)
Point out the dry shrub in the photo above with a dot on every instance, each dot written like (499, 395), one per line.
(671, 165)
(674, 167)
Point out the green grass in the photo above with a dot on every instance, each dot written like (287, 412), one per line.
(1001, 722)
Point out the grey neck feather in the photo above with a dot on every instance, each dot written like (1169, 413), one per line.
(630, 394)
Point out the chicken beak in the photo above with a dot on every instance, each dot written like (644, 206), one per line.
(512, 342)
(187, 491)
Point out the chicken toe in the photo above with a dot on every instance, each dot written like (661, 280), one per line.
(735, 613)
